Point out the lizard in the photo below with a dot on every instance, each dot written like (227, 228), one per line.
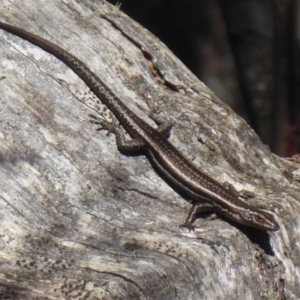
(206, 193)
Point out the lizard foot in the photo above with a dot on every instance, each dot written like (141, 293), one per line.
(110, 127)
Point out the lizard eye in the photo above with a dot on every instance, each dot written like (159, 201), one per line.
(259, 219)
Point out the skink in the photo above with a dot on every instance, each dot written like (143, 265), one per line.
(206, 193)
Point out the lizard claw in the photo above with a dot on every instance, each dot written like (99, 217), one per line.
(104, 125)
(189, 226)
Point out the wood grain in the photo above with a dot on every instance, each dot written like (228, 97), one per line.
(79, 220)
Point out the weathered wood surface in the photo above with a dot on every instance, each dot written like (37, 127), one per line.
(79, 220)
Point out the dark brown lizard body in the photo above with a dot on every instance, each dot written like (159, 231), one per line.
(207, 193)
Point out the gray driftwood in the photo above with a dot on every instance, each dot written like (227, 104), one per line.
(79, 220)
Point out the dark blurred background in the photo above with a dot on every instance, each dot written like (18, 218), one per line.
(246, 51)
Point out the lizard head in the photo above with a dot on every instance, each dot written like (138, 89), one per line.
(259, 219)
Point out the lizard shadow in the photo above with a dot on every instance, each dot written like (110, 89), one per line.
(256, 236)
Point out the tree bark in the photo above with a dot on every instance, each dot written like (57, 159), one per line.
(79, 220)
